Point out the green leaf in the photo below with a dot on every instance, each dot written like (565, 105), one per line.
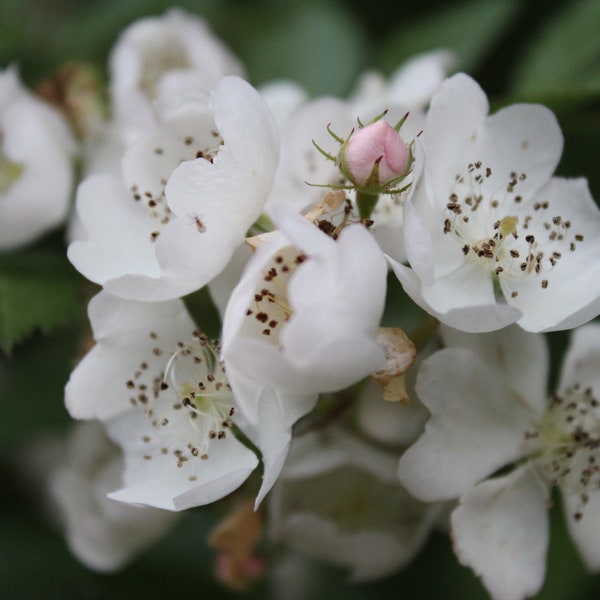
(321, 46)
(565, 59)
(469, 29)
(32, 386)
(92, 28)
(38, 290)
(204, 313)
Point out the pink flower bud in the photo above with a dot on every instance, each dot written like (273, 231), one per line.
(374, 155)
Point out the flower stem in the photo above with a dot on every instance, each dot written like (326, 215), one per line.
(366, 203)
(424, 332)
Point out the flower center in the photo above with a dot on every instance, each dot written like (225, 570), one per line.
(188, 406)
(160, 59)
(10, 172)
(270, 309)
(567, 442)
(497, 231)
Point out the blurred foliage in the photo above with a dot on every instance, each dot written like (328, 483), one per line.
(565, 58)
(530, 50)
(39, 290)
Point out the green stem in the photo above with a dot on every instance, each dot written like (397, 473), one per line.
(366, 203)
(424, 332)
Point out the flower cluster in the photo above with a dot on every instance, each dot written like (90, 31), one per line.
(352, 441)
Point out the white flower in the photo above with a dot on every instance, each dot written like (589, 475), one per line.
(412, 84)
(163, 395)
(175, 225)
(489, 412)
(305, 314)
(36, 170)
(304, 124)
(491, 236)
(339, 500)
(102, 533)
(164, 56)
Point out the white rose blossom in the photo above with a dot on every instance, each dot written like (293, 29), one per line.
(486, 395)
(164, 398)
(163, 57)
(36, 164)
(304, 317)
(491, 237)
(193, 186)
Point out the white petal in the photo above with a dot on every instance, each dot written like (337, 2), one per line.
(300, 161)
(418, 242)
(283, 97)
(170, 54)
(243, 169)
(454, 116)
(500, 530)
(222, 285)
(518, 358)
(355, 260)
(469, 285)
(160, 483)
(476, 427)
(118, 232)
(242, 294)
(329, 341)
(521, 138)
(416, 80)
(36, 139)
(376, 533)
(369, 554)
(580, 364)
(390, 422)
(472, 319)
(585, 531)
(277, 413)
(572, 295)
(103, 534)
(329, 368)
(97, 388)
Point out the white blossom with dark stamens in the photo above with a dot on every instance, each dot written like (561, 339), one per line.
(193, 186)
(163, 57)
(304, 317)
(494, 442)
(164, 397)
(491, 237)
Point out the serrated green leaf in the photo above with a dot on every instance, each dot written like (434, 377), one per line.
(469, 29)
(38, 291)
(565, 59)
